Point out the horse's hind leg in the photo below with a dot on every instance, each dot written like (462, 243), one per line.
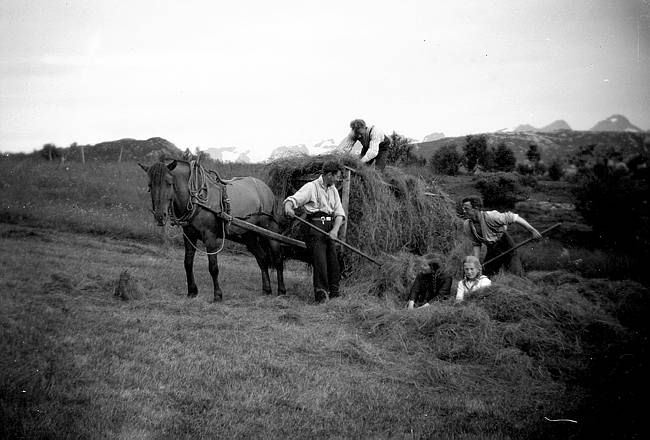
(274, 250)
(254, 247)
(189, 240)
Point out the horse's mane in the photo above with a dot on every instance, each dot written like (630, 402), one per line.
(157, 172)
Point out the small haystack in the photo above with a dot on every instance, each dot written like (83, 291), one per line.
(389, 212)
(126, 287)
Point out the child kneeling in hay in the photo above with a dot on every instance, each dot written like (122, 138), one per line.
(433, 282)
(473, 279)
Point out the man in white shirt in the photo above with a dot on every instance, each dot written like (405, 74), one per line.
(370, 144)
(322, 203)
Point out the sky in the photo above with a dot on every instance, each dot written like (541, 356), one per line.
(259, 74)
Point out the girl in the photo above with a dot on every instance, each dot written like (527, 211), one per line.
(473, 279)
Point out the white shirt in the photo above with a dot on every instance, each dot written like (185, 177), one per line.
(316, 197)
(468, 286)
(350, 145)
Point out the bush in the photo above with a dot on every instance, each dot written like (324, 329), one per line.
(476, 152)
(504, 158)
(614, 200)
(400, 152)
(50, 152)
(556, 169)
(446, 160)
(501, 190)
(525, 168)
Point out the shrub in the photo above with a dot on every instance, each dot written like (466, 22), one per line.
(525, 167)
(50, 152)
(533, 154)
(401, 151)
(504, 158)
(476, 152)
(614, 200)
(446, 160)
(556, 169)
(501, 190)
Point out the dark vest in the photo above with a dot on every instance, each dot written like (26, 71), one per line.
(365, 142)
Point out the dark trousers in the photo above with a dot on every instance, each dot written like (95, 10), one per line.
(327, 276)
(510, 262)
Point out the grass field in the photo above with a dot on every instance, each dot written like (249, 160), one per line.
(78, 362)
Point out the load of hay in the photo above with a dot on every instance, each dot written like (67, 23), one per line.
(389, 212)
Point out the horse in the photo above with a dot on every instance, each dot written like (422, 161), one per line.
(192, 197)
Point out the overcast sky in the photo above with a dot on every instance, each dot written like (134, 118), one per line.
(261, 74)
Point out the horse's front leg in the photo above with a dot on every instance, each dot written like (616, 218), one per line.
(189, 240)
(212, 245)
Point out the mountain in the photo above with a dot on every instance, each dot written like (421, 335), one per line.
(433, 137)
(229, 154)
(616, 123)
(322, 147)
(555, 126)
(524, 127)
(527, 128)
(287, 151)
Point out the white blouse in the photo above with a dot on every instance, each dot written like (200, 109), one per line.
(466, 286)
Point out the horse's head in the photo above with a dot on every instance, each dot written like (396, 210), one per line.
(161, 187)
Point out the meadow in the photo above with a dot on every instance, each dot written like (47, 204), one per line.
(558, 354)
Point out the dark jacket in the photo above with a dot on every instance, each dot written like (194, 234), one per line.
(428, 286)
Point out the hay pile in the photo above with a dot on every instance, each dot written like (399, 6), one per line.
(126, 287)
(388, 212)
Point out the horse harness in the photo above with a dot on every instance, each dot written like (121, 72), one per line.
(198, 185)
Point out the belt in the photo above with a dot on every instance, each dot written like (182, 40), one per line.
(322, 218)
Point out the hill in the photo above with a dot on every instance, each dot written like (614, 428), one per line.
(555, 143)
(120, 150)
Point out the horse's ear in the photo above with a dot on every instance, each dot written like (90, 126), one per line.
(144, 167)
(172, 165)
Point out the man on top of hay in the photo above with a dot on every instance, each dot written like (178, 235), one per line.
(432, 283)
(374, 144)
(321, 201)
(490, 228)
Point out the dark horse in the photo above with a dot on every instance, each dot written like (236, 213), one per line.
(193, 197)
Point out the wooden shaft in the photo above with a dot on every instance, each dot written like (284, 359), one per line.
(345, 201)
(338, 241)
(254, 228)
(520, 245)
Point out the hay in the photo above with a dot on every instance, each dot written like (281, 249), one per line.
(126, 287)
(389, 211)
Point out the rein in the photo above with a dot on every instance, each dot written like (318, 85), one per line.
(197, 185)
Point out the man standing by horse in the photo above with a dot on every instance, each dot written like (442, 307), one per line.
(321, 202)
(374, 144)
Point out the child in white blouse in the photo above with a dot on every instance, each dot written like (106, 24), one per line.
(473, 279)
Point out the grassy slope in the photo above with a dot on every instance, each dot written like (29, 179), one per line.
(76, 362)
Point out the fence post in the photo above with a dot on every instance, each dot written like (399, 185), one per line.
(345, 201)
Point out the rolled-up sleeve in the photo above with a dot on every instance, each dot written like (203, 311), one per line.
(501, 218)
(302, 196)
(349, 145)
